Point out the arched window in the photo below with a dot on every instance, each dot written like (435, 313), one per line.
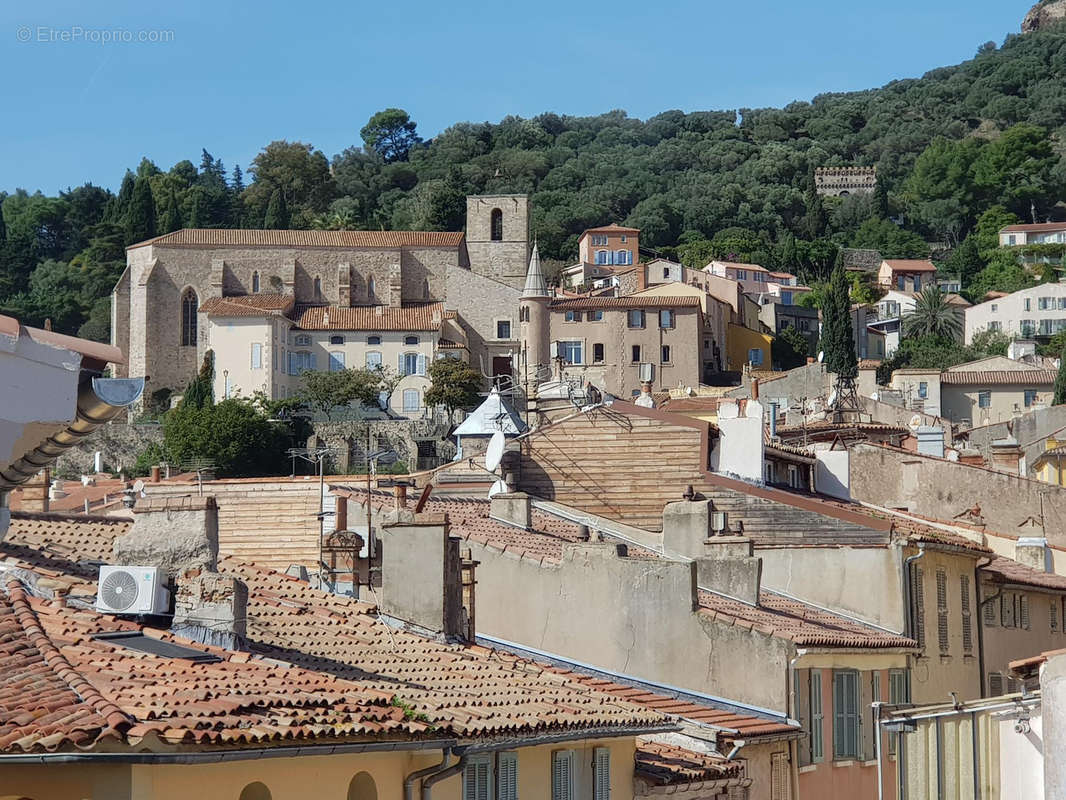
(255, 791)
(373, 340)
(497, 225)
(362, 787)
(255, 283)
(371, 289)
(318, 288)
(189, 304)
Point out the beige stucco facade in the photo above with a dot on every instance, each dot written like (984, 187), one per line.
(1017, 622)
(357, 776)
(1039, 311)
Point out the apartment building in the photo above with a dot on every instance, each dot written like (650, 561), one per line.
(1036, 312)
(751, 277)
(1040, 233)
(906, 275)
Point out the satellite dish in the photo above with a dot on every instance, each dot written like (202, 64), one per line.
(875, 396)
(497, 488)
(494, 453)
(138, 487)
(915, 423)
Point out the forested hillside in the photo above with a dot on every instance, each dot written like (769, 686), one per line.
(979, 142)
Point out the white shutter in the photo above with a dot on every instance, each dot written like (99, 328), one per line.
(421, 364)
(601, 774)
(563, 775)
(507, 777)
(399, 366)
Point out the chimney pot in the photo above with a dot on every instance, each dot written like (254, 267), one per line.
(155, 474)
(341, 517)
(399, 493)
(754, 388)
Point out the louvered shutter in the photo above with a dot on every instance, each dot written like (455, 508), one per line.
(470, 782)
(601, 774)
(990, 614)
(942, 611)
(918, 598)
(420, 368)
(839, 716)
(1023, 611)
(779, 783)
(314, 361)
(507, 777)
(967, 623)
(477, 779)
(995, 684)
(817, 746)
(563, 775)
(1054, 615)
(399, 366)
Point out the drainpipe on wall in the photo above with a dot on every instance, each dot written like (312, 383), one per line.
(877, 746)
(793, 747)
(981, 623)
(412, 778)
(907, 565)
(447, 772)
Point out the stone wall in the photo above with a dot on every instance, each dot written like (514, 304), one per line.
(505, 260)
(480, 301)
(350, 440)
(119, 442)
(1030, 430)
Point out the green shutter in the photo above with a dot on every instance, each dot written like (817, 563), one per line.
(507, 776)
(817, 746)
(563, 775)
(601, 774)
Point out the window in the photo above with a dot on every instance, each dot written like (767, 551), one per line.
(635, 318)
(410, 400)
(300, 361)
(371, 289)
(918, 601)
(523, 314)
(1027, 327)
(967, 623)
(373, 340)
(507, 776)
(899, 693)
(362, 787)
(257, 355)
(786, 298)
(503, 329)
(189, 304)
(917, 283)
(666, 273)
(595, 316)
(336, 340)
(624, 238)
(636, 354)
(665, 354)
(899, 282)
(477, 777)
(805, 325)
(622, 258)
(995, 308)
(572, 316)
(601, 774)
(742, 274)
(817, 748)
(303, 340)
(570, 352)
(410, 340)
(995, 684)
(373, 359)
(984, 399)
(255, 283)
(336, 361)
(1012, 239)
(846, 718)
(755, 356)
(942, 611)
(597, 353)
(995, 326)
(318, 288)
(412, 364)
(923, 389)
(1030, 398)
(666, 318)
(496, 225)
(1028, 304)
(563, 775)
(989, 612)
(602, 257)
(598, 240)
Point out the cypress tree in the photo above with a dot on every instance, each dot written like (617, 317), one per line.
(837, 340)
(1060, 381)
(881, 199)
(816, 219)
(237, 183)
(277, 214)
(116, 211)
(171, 219)
(140, 217)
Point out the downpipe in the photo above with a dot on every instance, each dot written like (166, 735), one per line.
(414, 777)
(429, 781)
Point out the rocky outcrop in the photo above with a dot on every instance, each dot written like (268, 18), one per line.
(1043, 14)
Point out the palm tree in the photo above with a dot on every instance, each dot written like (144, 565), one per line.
(933, 315)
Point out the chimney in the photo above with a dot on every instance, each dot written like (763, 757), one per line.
(211, 608)
(730, 568)
(35, 491)
(1033, 552)
(754, 388)
(176, 534)
(514, 508)
(421, 574)
(340, 519)
(931, 441)
(154, 474)
(1007, 456)
(399, 495)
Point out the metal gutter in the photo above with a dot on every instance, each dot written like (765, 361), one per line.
(100, 400)
(216, 756)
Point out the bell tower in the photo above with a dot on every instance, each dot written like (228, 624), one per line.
(497, 236)
(533, 326)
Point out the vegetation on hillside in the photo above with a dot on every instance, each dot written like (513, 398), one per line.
(976, 143)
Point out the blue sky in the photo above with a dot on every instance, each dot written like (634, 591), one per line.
(235, 76)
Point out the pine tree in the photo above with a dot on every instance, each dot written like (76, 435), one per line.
(171, 218)
(837, 339)
(277, 214)
(237, 183)
(140, 217)
(116, 211)
(1060, 381)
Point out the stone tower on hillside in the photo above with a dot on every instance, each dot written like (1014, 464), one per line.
(533, 326)
(497, 236)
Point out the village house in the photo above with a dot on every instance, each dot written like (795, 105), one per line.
(906, 275)
(752, 278)
(1039, 311)
(1038, 233)
(600, 251)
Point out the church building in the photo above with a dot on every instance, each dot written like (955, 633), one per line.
(272, 304)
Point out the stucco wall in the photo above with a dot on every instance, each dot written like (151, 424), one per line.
(636, 617)
(1030, 430)
(961, 403)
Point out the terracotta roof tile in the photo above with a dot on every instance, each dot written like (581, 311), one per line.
(223, 237)
(662, 763)
(1007, 570)
(803, 624)
(1000, 377)
(415, 317)
(1039, 227)
(252, 305)
(612, 228)
(910, 265)
(630, 301)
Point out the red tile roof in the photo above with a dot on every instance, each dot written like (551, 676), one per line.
(630, 301)
(224, 237)
(1040, 227)
(1007, 570)
(1033, 663)
(414, 317)
(662, 763)
(999, 377)
(910, 265)
(251, 305)
(777, 615)
(94, 351)
(612, 228)
(739, 265)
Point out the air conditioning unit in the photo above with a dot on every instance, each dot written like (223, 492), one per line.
(647, 372)
(132, 590)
